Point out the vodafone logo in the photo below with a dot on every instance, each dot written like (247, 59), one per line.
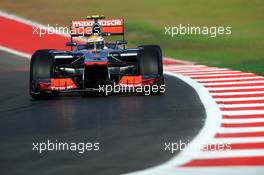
(102, 22)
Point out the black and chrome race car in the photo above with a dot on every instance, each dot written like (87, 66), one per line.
(96, 67)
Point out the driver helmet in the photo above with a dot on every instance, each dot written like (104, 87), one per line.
(95, 42)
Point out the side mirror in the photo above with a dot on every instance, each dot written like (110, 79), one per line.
(121, 42)
(71, 44)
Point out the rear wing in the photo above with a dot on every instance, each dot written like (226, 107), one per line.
(97, 26)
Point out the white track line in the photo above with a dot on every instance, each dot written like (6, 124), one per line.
(234, 83)
(244, 112)
(209, 69)
(241, 105)
(234, 74)
(213, 73)
(240, 130)
(237, 93)
(21, 54)
(176, 67)
(242, 121)
(185, 66)
(200, 170)
(238, 140)
(28, 22)
(236, 88)
(239, 99)
(223, 79)
(231, 153)
(190, 71)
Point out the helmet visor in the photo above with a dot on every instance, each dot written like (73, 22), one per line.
(95, 45)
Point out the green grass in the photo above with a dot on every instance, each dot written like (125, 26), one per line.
(145, 21)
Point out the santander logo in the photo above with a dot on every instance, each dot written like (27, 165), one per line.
(102, 22)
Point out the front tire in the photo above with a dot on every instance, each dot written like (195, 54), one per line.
(41, 67)
(149, 63)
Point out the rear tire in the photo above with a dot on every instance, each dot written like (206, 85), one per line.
(41, 67)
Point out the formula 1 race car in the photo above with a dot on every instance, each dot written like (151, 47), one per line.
(96, 67)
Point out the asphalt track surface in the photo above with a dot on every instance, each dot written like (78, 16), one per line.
(131, 129)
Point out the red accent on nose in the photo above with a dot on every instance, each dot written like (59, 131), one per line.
(96, 63)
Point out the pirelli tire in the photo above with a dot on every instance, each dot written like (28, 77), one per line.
(150, 63)
(42, 67)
